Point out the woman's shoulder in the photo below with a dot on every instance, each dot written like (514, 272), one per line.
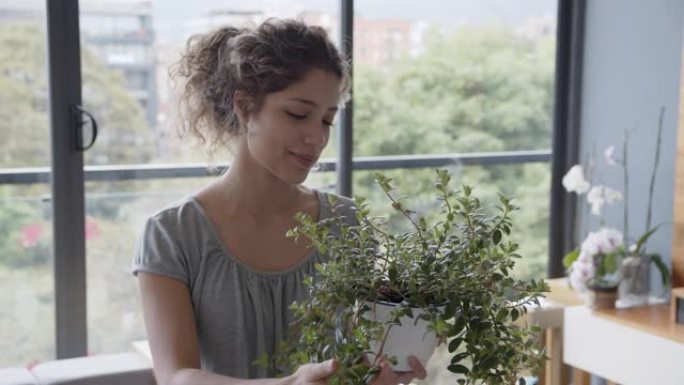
(340, 206)
(174, 215)
(334, 200)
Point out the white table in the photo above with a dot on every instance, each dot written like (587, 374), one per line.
(638, 346)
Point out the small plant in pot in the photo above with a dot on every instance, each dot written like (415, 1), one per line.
(610, 264)
(395, 294)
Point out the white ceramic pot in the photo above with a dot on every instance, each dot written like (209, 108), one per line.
(403, 341)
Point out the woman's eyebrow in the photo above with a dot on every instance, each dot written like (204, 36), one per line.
(312, 103)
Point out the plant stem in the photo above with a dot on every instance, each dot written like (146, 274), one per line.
(388, 242)
(382, 345)
(407, 215)
(625, 216)
(655, 169)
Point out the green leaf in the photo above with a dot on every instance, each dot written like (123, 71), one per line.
(501, 315)
(644, 238)
(370, 376)
(454, 344)
(458, 326)
(496, 236)
(664, 271)
(514, 314)
(570, 258)
(489, 362)
(392, 273)
(610, 263)
(458, 369)
(459, 357)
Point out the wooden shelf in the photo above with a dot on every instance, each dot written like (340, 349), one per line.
(561, 293)
(653, 319)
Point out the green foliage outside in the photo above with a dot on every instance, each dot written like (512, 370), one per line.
(476, 89)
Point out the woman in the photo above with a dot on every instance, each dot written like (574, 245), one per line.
(216, 271)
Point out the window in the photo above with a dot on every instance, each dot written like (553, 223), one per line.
(123, 101)
(442, 79)
(26, 274)
(456, 78)
(467, 77)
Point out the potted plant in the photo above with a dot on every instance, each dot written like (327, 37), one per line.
(443, 281)
(594, 267)
(606, 264)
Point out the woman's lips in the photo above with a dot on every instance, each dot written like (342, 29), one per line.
(306, 161)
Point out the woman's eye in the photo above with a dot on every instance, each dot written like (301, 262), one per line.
(296, 116)
(327, 124)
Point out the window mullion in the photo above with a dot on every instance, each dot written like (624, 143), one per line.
(64, 68)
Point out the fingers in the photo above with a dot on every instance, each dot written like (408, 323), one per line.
(405, 378)
(417, 368)
(318, 372)
(388, 377)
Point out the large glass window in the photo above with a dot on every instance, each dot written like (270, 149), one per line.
(458, 77)
(127, 88)
(26, 273)
(431, 78)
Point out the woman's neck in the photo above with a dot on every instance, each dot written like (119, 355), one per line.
(249, 189)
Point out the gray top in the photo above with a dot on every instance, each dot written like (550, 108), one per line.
(241, 312)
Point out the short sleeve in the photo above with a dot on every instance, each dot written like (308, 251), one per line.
(343, 208)
(157, 251)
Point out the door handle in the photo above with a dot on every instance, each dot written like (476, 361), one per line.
(78, 113)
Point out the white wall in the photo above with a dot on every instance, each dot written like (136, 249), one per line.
(632, 62)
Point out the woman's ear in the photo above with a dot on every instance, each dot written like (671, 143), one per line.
(241, 107)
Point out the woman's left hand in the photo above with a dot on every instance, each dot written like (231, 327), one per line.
(389, 377)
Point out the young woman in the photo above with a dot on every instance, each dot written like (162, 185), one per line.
(215, 270)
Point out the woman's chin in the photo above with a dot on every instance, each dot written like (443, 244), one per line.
(294, 177)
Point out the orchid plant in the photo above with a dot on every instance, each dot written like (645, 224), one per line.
(596, 264)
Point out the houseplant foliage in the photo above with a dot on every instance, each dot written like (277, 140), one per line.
(456, 269)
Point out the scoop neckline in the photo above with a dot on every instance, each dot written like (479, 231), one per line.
(266, 273)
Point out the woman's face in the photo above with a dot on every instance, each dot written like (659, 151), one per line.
(292, 127)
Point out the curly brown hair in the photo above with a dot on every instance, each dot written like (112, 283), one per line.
(256, 61)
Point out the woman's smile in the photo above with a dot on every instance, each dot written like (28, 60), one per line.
(306, 161)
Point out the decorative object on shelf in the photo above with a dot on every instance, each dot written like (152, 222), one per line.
(635, 285)
(606, 260)
(677, 305)
(446, 281)
(594, 267)
(603, 298)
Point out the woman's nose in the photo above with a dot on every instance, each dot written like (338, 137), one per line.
(316, 134)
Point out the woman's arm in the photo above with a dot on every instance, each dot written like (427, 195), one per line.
(172, 334)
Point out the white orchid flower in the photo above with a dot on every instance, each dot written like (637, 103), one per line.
(574, 180)
(604, 240)
(609, 156)
(612, 196)
(596, 199)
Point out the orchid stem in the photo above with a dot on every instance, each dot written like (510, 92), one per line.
(625, 216)
(655, 169)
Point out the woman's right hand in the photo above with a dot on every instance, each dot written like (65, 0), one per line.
(313, 374)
